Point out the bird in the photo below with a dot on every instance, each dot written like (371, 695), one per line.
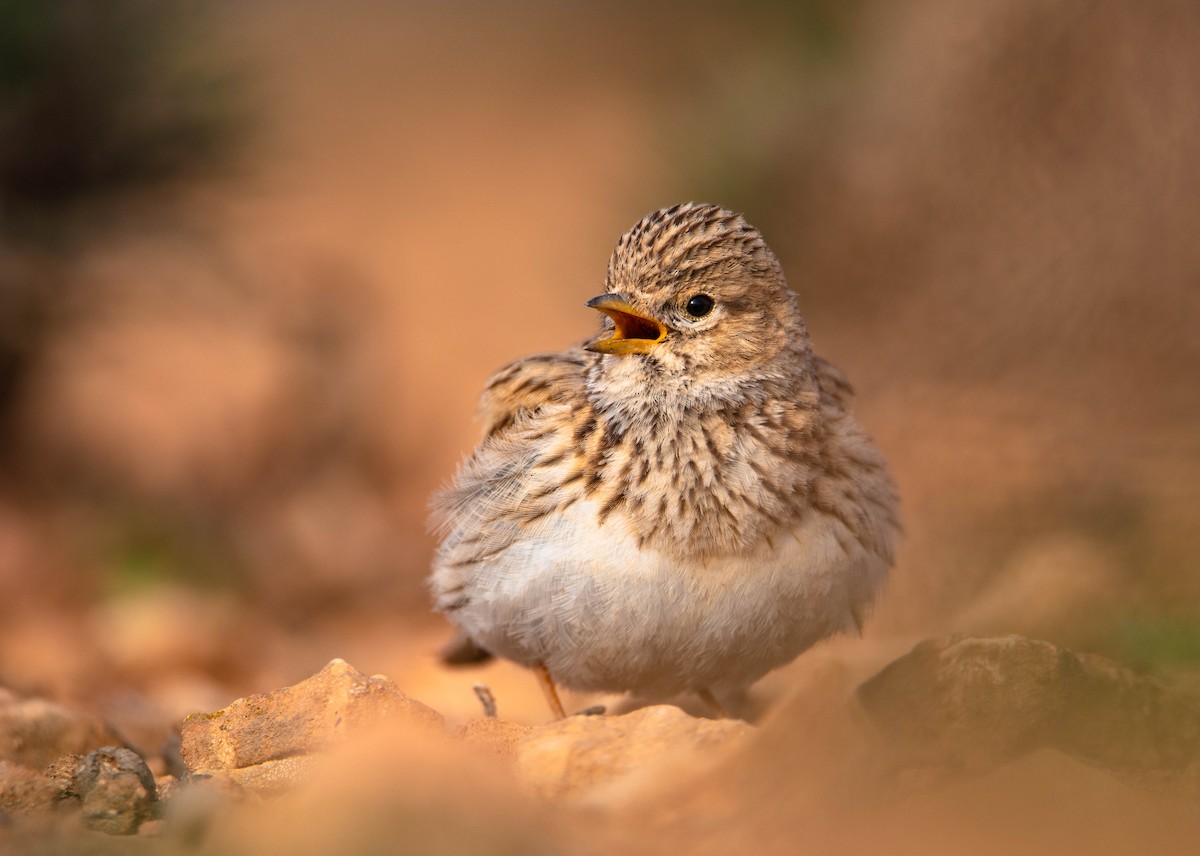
(679, 504)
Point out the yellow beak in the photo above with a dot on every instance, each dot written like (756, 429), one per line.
(634, 333)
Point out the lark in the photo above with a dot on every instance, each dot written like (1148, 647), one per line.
(680, 504)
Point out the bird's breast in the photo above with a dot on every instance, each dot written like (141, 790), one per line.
(603, 611)
(698, 486)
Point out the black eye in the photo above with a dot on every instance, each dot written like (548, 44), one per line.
(699, 305)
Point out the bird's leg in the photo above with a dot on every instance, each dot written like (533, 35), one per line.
(547, 684)
(709, 699)
(484, 694)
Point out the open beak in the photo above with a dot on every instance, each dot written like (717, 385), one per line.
(634, 333)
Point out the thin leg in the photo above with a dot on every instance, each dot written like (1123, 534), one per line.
(547, 684)
(709, 699)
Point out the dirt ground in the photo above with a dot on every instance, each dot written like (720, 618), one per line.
(221, 455)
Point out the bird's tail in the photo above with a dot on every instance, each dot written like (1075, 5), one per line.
(462, 650)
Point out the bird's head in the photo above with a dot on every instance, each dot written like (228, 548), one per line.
(694, 289)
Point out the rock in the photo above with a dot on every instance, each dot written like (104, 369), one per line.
(23, 791)
(788, 781)
(116, 790)
(63, 774)
(166, 786)
(193, 807)
(34, 732)
(973, 703)
(268, 778)
(286, 724)
(817, 776)
(605, 758)
(112, 786)
(495, 736)
(396, 790)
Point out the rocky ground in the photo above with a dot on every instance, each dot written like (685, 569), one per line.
(216, 463)
(992, 742)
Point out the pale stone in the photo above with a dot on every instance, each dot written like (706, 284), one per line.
(496, 736)
(286, 724)
(595, 757)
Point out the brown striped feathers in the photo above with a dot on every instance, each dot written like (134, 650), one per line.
(685, 501)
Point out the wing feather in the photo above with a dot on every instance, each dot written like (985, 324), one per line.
(528, 383)
(508, 481)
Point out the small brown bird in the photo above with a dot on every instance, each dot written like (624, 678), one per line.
(682, 503)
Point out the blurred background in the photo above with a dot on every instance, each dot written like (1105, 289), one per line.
(257, 261)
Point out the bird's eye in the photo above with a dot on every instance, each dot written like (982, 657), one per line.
(699, 305)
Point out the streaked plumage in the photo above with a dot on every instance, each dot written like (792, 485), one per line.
(685, 507)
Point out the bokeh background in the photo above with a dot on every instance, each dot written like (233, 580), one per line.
(257, 260)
